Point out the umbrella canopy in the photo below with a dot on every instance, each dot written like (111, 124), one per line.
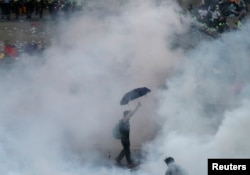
(134, 94)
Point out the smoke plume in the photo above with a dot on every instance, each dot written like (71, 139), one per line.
(57, 115)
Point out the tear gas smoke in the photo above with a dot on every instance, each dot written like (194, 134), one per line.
(56, 118)
(204, 111)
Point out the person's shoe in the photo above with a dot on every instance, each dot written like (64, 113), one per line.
(131, 165)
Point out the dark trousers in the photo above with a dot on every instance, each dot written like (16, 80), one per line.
(29, 10)
(125, 151)
(6, 10)
(15, 9)
(39, 11)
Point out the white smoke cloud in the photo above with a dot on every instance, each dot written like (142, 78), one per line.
(205, 109)
(57, 117)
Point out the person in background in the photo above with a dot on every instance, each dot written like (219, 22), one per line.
(29, 4)
(173, 168)
(15, 8)
(5, 9)
(39, 7)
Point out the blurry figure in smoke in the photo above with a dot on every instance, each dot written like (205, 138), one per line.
(31, 48)
(54, 9)
(173, 168)
(190, 8)
(10, 51)
(124, 127)
(5, 9)
(15, 8)
(39, 6)
(216, 15)
(29, 4)
(77, 5)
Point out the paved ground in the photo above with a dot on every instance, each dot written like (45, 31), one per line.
(22, 31)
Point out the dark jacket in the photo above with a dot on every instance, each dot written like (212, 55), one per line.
(124, 129)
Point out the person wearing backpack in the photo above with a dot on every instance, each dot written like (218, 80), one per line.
(124, 128)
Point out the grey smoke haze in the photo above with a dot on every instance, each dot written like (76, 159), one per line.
(56, 117)
(205, 110)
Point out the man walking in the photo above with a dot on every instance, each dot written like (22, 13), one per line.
(124, 127)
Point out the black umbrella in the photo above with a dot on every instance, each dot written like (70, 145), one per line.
(133, 94)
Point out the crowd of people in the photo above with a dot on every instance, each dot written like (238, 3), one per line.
(212, 16)
(32, 8)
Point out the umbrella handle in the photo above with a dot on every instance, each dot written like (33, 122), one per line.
(136, 108)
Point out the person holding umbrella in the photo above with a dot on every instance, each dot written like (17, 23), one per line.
(124, 127)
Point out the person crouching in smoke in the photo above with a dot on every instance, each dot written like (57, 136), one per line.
(173, 168)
